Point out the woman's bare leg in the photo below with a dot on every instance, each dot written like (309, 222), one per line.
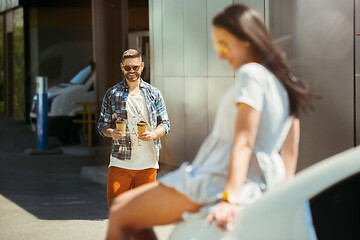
(147, 234)
(144, 207)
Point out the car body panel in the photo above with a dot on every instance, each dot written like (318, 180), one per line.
(61, 102)
(284, 212)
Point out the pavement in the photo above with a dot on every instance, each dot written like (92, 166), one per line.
(58, 193)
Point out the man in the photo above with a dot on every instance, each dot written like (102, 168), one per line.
(134, 157)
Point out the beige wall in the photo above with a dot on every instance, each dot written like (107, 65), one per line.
(317, 35)
(324, 57)
(186, 69)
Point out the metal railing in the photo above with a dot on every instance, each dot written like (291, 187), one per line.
(87, 119)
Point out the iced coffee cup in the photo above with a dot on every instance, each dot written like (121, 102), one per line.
(141, 126)
(121, 125)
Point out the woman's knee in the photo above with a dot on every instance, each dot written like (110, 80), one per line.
(116, 206)
(120, 210)
(116, 218)
(110, 202)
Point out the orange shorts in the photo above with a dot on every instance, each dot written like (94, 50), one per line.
(120, 180)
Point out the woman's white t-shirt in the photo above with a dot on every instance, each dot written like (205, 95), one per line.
(205, 178)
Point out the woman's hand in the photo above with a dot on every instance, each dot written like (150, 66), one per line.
(224, 215)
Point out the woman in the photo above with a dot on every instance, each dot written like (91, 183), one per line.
(240, 159)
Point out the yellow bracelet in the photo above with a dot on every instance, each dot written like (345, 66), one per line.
(230, 198)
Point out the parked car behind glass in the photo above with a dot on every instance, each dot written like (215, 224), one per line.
(62, 107)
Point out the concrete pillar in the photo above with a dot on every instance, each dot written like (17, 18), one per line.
(110, 30)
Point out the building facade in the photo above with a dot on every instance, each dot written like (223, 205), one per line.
(40, 38)
(320, 38)
(56, 38)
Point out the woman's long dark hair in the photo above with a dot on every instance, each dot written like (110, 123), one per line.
(245, 24)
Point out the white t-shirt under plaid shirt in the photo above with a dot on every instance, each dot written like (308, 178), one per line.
(114, 107)
(143, 154)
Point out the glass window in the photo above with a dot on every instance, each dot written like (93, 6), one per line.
(82, 76)
(336, 211)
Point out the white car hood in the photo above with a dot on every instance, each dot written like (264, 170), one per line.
(60, 89)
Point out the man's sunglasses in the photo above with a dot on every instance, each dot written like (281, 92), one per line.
(134, 67)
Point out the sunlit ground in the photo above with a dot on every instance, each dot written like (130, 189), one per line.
(16, 223)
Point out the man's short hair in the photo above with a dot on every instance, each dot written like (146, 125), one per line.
(131, 53)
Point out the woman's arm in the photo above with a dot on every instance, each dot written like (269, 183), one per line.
(246, 128)
(290, 149)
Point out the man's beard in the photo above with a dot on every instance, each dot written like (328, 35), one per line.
(132, 78)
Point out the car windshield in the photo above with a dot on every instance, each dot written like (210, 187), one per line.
(82, 76)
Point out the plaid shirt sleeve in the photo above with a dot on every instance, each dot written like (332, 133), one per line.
(105, 114)
(162, 115)
(114, 105)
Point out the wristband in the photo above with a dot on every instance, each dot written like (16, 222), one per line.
(230, 198)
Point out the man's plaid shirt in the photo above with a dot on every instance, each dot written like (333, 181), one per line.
(114, 107)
